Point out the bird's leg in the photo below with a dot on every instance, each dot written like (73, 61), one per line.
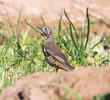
(56, 70)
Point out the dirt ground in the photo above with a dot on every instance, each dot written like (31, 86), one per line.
(32, 10)
(86, 82)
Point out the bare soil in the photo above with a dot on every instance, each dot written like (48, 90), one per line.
(32, 10)
(86, 82)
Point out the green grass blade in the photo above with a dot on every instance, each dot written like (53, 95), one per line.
(65, 43)
(72, 37)
(82, 36)
(68, 31)
(66, 27)
(20, 50)
(60, 26)
(69, 90)
(33, 28)
(44, 23)
(105, 96)
(18, 21)
(88, 28)
(65, 35)
(82, 39)
(25, 37)
(9, 21)
(72, 26)
(97, 44)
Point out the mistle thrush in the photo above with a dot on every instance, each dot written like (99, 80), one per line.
(53, 54)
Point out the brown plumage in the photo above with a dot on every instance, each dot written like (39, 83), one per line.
(53, 54)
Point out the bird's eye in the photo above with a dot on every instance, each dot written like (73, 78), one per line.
(46, 28)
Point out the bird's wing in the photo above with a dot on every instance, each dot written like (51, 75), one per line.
(56, 53)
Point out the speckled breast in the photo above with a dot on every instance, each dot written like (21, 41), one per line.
(48, 57)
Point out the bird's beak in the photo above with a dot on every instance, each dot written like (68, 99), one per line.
(39, 28)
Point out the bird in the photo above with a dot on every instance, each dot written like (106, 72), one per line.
(52, 52)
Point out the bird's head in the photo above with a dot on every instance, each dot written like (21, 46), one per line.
(47, 32)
